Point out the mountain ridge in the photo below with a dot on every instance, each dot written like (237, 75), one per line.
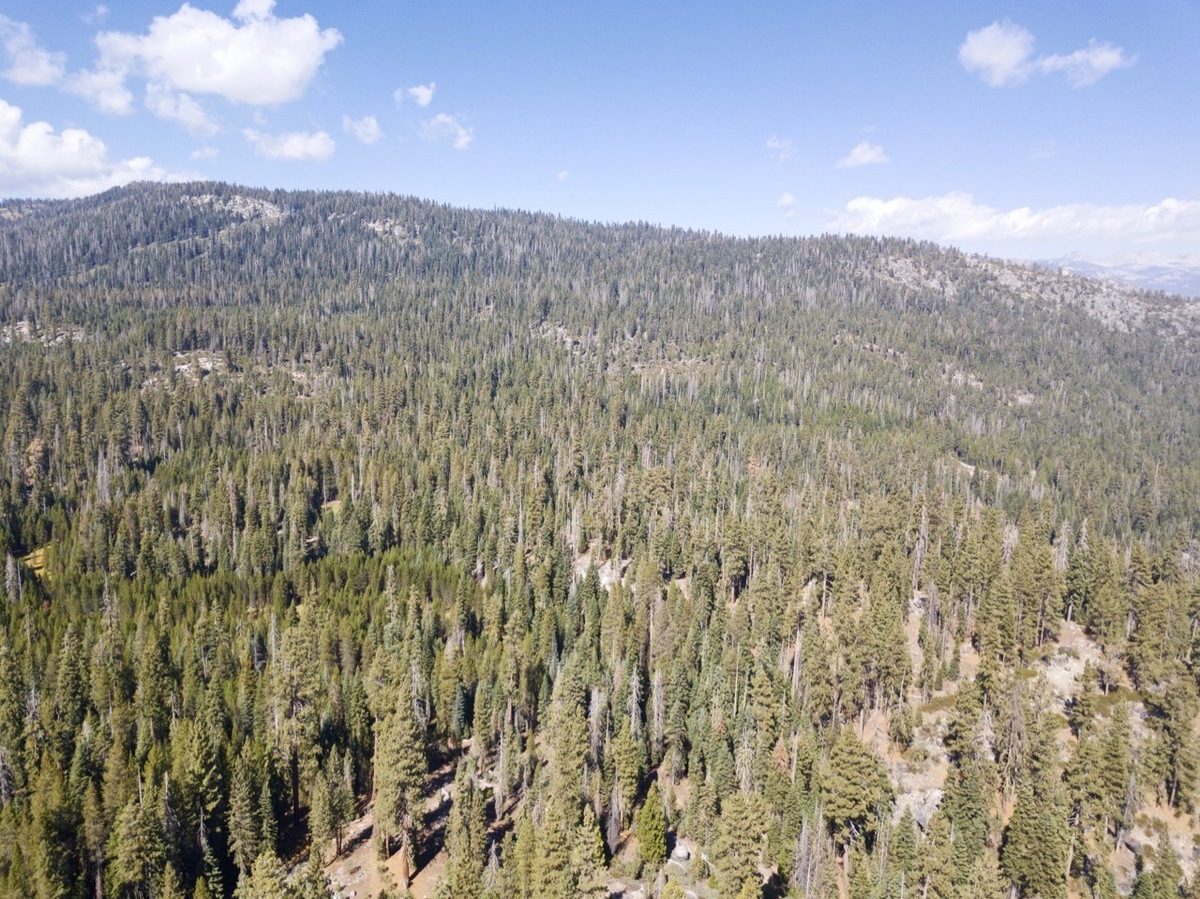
(910, 264)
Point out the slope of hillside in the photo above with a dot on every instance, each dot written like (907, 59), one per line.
(850, 566)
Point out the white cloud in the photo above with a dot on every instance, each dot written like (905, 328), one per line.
(422, 94)
(865, 153)
(28, 63)
(205, 153)
(787, 202)
(366, 130)
(259, 60)
(105, 87)
(781, 148)
(1087, 66)
(35, 160)
(999, 53)
(563, 176)
(293, 145)
(167, 104)
(97, 15)
(443, 128)
(958, 217)
(253, 10)
(1002, 55)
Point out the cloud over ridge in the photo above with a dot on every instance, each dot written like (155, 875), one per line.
(256, 58)
(36, 160)
(957, 216)
(292, 145)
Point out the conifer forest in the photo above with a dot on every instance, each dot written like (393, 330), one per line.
(358, 545)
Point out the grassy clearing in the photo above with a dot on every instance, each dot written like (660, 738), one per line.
(36, 561)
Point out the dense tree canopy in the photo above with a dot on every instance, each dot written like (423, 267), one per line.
(643, 535)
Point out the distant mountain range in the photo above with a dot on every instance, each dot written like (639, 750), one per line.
(1151, 271)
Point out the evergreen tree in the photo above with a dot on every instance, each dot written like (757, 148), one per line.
(552, 875)
(739, 836)
(1036, 843)
(400, 769)
(466, 837)
(652, 829)
(138, 852)
(265, 880)
(1164, 879)
(587, 858)
(244, 820)
(853, 786)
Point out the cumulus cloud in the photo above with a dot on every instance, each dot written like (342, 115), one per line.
(781, 148)
(787, 202)
(958, 217)
(999, 53)
(366, 130)
(37, 161)
(1002, 55)
(865, 153)
(293, 145)
(256, 58)
(447, 129)
(28, 63)
(105, 88)
(167, 104)
(421, 94)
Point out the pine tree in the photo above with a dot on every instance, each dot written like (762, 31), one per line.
(1115, 769)
(569, 739)
(520, 858)
(985, 881)
(966, 807)
(935, 869)
(902, 848)
(320, 821)
(587, 858)
(552, 876)
(265, 880)
(137, 851)
(1036, 844)
(1164, 879)
(244, 822)
(740, 829)
(652, 828)
(627, 768)
(673, 891)
(853, 786)
(400, 769)
(466, 837)
(268, 822)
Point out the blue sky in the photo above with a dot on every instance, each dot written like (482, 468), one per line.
(1018, 129)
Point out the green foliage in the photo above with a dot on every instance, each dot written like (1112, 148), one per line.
(1036, 843)
(652, 828)
(853, 785)
(302, 492)
(739, 837)
(1162, 881)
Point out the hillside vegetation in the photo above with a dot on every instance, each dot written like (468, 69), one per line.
(839, 566)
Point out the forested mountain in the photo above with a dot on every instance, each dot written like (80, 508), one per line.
(852, 567)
